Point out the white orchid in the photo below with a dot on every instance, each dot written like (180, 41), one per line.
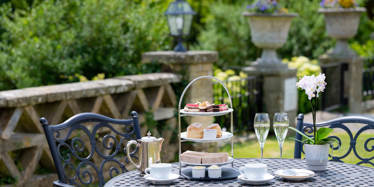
(313, 85)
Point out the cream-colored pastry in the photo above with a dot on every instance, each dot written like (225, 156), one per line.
(195, 130)
(216, 127)
(214, 172)
(204, 105)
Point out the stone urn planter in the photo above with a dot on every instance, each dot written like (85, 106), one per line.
(269, 32)
(316, 156)
(342, 24)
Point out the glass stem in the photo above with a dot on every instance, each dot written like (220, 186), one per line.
(262, 151)
(281, 149)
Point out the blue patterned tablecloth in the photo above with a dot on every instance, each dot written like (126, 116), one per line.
(337, 174)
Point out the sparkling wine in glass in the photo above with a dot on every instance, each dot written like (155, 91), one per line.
(280, 126)
(262, 126)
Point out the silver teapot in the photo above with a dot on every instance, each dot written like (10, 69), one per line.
(149, 151)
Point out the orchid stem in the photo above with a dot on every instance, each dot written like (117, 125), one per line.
(314, 118)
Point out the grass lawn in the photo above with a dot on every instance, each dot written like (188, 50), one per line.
(251, 149)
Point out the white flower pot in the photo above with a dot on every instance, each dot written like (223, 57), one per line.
(269, 32)
(342, 24)
(316, 156)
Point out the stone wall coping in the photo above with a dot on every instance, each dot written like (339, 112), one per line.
(326, 59)
(43, 94)
(253, 71)
(189, 57)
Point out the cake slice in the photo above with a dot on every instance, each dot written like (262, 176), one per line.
(195, 130)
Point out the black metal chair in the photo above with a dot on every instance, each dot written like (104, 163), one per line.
(82, 156)
(341, 123)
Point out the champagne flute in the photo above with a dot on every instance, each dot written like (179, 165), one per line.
(280, 126)
(262, 126)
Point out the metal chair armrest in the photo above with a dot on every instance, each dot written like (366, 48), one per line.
(61, 184)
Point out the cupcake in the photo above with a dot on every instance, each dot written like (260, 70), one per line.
(198, 172)
(214, 172)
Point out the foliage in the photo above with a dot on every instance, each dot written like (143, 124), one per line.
(58, 39)
(242, 95)
(7, 180)
(322, 136)
(229, 35)
(366, 51)
(304, 66)
(233, 81)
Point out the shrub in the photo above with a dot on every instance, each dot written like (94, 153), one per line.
(228, 33)
(57, 39)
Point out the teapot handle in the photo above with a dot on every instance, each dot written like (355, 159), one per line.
(131, 142)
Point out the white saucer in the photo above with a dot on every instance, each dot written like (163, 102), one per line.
(171, 179)
(294, 174)
(266, 179)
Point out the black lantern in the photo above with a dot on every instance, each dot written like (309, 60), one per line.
(179, 14)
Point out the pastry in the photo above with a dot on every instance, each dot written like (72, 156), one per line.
(214, 172)
(216, 127)
(222, 107)
(214, 108)
(195, 130)
(205, 106)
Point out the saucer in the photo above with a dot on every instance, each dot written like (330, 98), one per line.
(171, 179)
(258, 181)
(294, 174)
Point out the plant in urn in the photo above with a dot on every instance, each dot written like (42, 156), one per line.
(269, 25)
(342, 18)
(316, 148)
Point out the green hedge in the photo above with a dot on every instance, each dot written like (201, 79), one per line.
(58, 39)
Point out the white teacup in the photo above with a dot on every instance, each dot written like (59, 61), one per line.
(159, 171)
(254, 170)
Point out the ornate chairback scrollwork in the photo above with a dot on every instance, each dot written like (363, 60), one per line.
(88, 147)
(365, 125)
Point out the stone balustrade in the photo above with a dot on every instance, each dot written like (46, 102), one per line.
(24, 153)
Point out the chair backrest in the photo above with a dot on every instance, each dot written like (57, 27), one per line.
(89, 147)
(363, 129)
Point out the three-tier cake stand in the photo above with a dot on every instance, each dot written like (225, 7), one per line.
(182, 136)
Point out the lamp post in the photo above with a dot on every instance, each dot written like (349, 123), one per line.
(179, 15)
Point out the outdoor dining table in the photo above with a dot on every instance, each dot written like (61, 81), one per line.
(337, 174)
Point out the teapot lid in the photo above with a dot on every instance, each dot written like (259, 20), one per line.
(148, 138)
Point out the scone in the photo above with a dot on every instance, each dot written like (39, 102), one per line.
(216, 127)
(195, 130)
